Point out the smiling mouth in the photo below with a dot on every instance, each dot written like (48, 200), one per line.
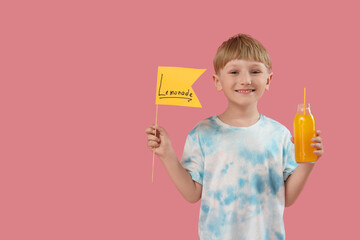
(245, 90)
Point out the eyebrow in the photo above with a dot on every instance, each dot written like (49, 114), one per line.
(251, 65)
(256, 65)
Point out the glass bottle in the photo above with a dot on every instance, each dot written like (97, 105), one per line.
(304, 131)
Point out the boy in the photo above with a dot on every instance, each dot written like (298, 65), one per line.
(240, 163)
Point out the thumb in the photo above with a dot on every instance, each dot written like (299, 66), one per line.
(160, 131)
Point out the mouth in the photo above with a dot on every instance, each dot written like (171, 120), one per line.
(245, 91)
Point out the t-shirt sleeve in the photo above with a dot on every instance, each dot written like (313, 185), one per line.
(289, 162)
(192, 159)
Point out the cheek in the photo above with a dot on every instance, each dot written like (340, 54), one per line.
(261, 89)
(224, 84)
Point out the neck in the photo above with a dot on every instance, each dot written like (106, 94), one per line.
(240, 116)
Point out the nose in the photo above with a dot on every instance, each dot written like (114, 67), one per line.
(245, 79)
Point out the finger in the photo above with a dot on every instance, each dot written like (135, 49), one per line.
(317, 146)
(319, 153)
(160, 131)
(153, 149)
(317, 140)
(153, 138)
(318, 132)
(151, 130)
(152, 145)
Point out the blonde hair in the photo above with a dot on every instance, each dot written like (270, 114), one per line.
(241, 46)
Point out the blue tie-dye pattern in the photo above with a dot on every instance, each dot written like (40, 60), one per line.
(253, 199)
(208, 175)
(279, 236)
(274, 148)
(258, 183)
(218, 195)
(227, 166)
(205, 208)
(215, 224)
(267, 235)
(201, 174)
(187, 161)
(275, 181)
(241, 171)
(224, 197)
(230, 195)
(242, 182)
(255, 157)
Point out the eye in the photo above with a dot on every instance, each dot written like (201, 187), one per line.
(234, 72)
(255, 72)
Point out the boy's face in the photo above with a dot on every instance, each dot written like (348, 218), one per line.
(243, 81)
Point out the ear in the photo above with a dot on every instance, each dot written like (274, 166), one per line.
(217, 83)
(268, 80)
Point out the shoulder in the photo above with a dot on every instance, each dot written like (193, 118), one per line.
(272, 122)
(275, 127)
(205, 126)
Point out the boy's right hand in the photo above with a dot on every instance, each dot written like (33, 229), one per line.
(159, 142)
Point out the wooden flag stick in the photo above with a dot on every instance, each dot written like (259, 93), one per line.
(152, 178)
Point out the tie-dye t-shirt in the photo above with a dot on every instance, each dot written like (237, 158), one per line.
(242, 171)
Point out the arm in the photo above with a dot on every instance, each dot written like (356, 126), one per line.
(160, 143)
(298, 179)
(296, 182)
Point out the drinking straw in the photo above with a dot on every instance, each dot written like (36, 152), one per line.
(304, 99)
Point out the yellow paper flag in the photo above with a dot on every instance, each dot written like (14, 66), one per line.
(174, 86)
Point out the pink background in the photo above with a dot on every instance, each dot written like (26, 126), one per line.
(77, 91)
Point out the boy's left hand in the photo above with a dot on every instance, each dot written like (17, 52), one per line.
(317, 144)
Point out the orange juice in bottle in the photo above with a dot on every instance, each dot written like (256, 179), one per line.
(304, 131)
